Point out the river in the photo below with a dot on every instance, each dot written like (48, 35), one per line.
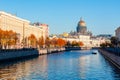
(71, 65)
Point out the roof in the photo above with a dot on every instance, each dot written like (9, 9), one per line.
(11, 15)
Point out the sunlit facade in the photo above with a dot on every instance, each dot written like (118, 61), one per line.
(21, 26)
(81, 38)
(81, 27)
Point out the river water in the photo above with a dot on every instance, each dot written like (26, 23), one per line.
(73, 65)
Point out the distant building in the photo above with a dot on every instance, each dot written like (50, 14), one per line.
(81, 27)
(117, 33)
(108, 36)
(45, 28)
(85, 39)
(82, 35)
(95, 41)
(81, 38)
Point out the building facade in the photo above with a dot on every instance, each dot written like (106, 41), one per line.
(85, 36)
(22, 27)
(81, 27)
(117, 33)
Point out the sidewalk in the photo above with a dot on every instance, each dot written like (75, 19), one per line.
(111, 57)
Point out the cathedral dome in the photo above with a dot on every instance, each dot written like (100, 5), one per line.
(81, 27)
(81, 23)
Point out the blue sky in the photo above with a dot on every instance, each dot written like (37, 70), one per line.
(101, 16)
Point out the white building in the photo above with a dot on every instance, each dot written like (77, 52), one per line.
(81, 38)
(85, 39)
(117, 33)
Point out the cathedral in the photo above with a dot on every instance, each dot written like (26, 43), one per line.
(81, 27)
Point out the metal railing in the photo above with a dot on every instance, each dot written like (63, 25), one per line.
(113, 50)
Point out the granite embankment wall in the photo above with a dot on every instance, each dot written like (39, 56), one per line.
(55, 50)
(21, 53)
(26, 53)
(112, 57)
(50, 50)
(17, 53)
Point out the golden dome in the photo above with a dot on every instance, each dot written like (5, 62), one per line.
(81, 23)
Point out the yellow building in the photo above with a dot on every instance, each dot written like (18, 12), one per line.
(21, 26)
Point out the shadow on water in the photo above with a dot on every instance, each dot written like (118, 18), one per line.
(15, 61)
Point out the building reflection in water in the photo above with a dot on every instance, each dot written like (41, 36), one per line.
(14, 71)
(91, 66)
(82, 66)
(76, 65)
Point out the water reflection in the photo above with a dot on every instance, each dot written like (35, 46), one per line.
(22, 69)
(75, 65)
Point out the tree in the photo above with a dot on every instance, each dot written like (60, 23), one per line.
(74, 43)
(53, 42)
(61, 42)
(103, 45)
(7, 38)
(1, 31)
(68, 44)
(114, 41)
(12, 38)
(47, 42)
(81, 44)
(32, 41)
(41, 42)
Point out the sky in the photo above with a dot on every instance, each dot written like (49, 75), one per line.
(101, 16)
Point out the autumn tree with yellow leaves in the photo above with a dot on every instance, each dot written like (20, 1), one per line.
(61, 42)
(7, 38)
(32, 41)
(41, 42)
